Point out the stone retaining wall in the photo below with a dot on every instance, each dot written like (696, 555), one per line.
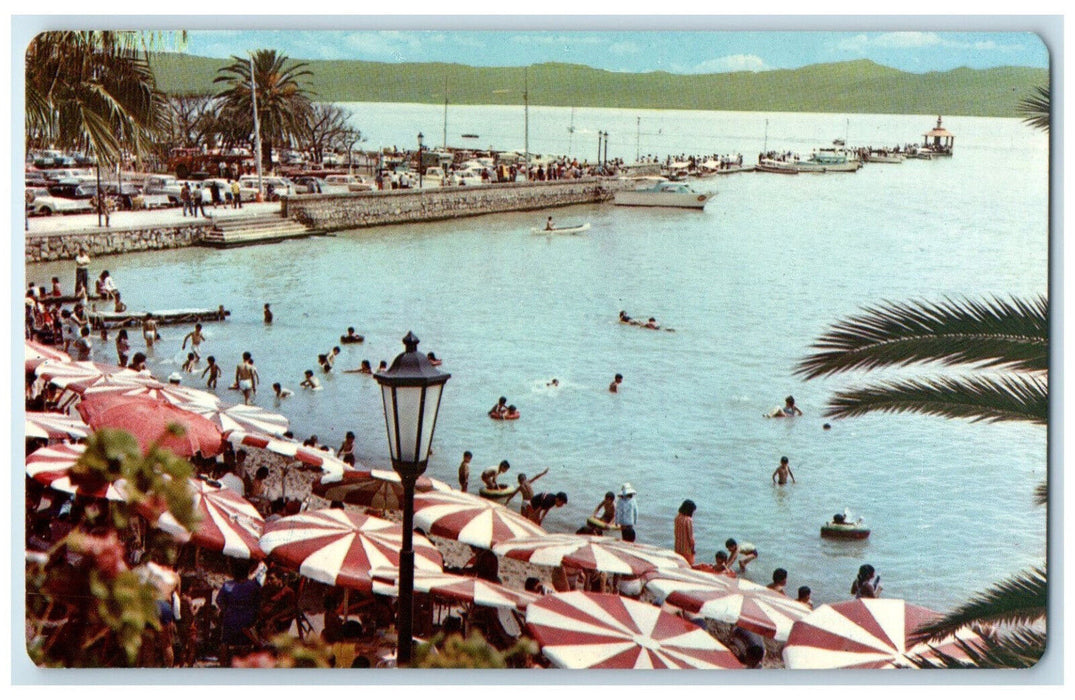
(361, 209)
(44, 248)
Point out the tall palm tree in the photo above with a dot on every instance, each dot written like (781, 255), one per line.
(283, 100)
(1007, 344)
(92, 90)
(1035, 108)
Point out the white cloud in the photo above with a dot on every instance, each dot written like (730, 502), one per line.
(567, 40)
(860, 43)
(907, 40)
(725, 64)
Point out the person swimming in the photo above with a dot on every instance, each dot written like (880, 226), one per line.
(351, 336)
(433, 359)
(363, 368)
(500, 409)
(310, 382)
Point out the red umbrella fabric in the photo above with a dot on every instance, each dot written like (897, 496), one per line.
(866, 633)
(340, 548)
(469, 519)
(732, 601)
(148, 420)
(228, 523)
(224, 416)
(52, 465)
(601, 630)
(55, 426)
(465, 589)
(180, 396)
(592, 553)
(376, 488)
(322, 459)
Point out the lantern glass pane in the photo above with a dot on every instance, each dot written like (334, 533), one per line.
(408, 406)
(390, 419)
(429, 418)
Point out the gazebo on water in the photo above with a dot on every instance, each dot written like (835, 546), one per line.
(938, 140)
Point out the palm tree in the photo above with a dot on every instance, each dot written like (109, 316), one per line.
(92, 90)
(1035, 108)
(283, 103)
(1007, 344)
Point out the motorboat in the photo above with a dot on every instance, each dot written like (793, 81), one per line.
(828, 160)
(885, 157)
(662, 193)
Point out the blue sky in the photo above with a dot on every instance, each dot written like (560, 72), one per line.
(641, 51)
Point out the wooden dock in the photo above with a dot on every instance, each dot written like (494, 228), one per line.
(128, 319)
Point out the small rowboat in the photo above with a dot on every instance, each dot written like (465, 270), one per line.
(845, 531)
(562, 229)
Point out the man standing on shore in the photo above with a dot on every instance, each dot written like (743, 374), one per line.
(82, 271)
(246, 377)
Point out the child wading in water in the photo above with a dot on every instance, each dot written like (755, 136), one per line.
(213, 370)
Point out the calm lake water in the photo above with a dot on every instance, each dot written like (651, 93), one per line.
(748, 284)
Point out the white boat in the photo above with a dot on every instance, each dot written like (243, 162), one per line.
(826, 160)
(562, 229)
(662, 194)
(885, 157)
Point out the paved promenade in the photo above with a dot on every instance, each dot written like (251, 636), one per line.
(87, 223)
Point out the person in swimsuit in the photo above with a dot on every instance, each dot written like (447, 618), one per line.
(352, 337)
(195, 337)
(500, 409)
(804, 597)
(526, 489)
(123, 347)
(310, 382)
(213, 370)
(188, 366)
(606, 508)
(735, 556)
(268, 314)
(780, 581)
(281, 392)
(149, 330)
(866, 585)
(614, 387)
(464, 471)
(542, 503)
(790, 410)
(489, 476)
(246, 377)
(348, 446)
(780, 476)
(364, 368)
(548, 225)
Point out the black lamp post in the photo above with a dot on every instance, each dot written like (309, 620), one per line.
(421, 162)
(411, 390)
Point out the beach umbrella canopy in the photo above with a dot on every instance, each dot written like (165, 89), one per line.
(602, 630)
(734, 601)
(84, 374)
(469, 519)
(148, 420)
(465, 589)
(36, 353)
(55, 426)
(181, 396)
(227, 522)
(340, 548)
(375, 488)
(592, 553)
(242, 417)
(52, 465)
(324, 460)
(867, 633)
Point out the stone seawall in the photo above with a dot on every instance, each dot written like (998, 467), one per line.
(362, 209)
(48, 247)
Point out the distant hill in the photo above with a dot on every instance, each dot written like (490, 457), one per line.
(849, 87)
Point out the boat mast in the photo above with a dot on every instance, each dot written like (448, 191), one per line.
(526, 120)
(765, 146)
(638, 138)
(257, 123)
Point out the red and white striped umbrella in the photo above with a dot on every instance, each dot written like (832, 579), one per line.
(84, 374)
(325, 460)
(52, 466)
(867, 633)
(242, 417)
(469, 519)
(340, 548)
(148, 421)
(592, 553)
(181, 396)
(466, 589)
(227, 523)
(36, 353)
(602, 630)
(376, 488)
(734, 601)
(55, 426)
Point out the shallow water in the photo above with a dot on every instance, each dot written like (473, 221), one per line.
(747, 284)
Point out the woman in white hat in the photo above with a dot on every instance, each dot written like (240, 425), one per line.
(627, 512)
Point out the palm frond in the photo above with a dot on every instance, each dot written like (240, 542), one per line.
(1036, 108)
(993, 333)
(990, 399)
(1019, 600)
(1019, 649)
(1041, 494)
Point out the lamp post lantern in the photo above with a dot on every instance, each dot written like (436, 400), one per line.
(411, 391)
(421, 163)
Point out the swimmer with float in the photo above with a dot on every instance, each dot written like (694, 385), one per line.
(788, 410)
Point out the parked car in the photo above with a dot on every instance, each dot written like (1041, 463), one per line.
(246, 193)
(275, 187)
(309, 185)
(40, 202)
(68, 189)
(163, 184)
